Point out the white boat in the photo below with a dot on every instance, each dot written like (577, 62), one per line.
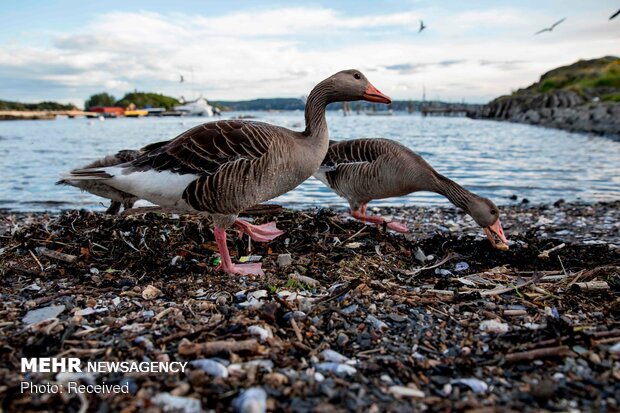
(199, 107)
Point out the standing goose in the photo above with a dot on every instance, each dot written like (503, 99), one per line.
(361, 170)
(227, 166)
(96, 187)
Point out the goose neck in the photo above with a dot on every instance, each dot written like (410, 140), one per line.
(316, 124)
(455, 193)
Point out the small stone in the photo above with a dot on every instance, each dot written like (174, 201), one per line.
(442, 272)
(375, 322)
(402, 391)
(252, 400)
(45, 313)
(397, 317)
(493, 326)
(262, 333)
(580, 350)
(275, 379)
(284, 260)
(339, 369)
(168, 402)
(477, 386)
(151, 292)
(615, 349)
(333, 356)
(461, 266)
(419, 255)
(595, 358)
(211, 367)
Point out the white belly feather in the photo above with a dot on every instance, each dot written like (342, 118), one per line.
(161, 188)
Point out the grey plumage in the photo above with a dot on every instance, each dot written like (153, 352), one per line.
(227, 166)
(95, 187)
(362, 170)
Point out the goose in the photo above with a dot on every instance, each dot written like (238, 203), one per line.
(98, 188)
(226, 166)
(361, 170)
(118, 198)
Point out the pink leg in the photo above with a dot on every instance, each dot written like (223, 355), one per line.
(361, 215)
(261, 233)
(226, 265)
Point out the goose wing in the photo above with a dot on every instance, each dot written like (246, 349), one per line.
(355, 160)
(358, 151)
(206, 149)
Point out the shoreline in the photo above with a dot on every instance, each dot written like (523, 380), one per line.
(592, 119)
(360, 319)
(424, 220)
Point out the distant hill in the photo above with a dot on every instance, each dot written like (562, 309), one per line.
(298, 104)
(148, 100)
(581, 97)
(46, 105)
(260, 104)
(596, 78)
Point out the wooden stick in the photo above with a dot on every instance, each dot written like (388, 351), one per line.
(592, 286)
(498, 291)
(607, 340)
(296, 330)
(60, 256)
(37, 260)
(187, 348)
(539, 353)
(545, 254)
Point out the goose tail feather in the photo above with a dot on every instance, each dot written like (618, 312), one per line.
(85, 175)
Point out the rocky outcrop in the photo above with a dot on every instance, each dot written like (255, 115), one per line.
(582, 97)
(560, 109)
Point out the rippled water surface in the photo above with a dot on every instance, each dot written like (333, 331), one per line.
(494, 159)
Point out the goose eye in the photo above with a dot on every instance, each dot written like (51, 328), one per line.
(493, 212)
(357, 76)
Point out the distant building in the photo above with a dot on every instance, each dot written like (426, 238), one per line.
(108, 111)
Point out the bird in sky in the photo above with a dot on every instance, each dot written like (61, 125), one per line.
(550, 29)
(614, 15)
(182, 79)
(422, 26)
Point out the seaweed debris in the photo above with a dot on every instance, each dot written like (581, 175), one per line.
(349, 317)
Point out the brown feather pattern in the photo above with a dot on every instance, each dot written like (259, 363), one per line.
(361, 170)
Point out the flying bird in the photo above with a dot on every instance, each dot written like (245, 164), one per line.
(224, 167)
(361, 170)
(550, 29)
(614, 15)
(422, 26)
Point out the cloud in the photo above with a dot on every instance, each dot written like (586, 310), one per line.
(475, 55)
(408, 68)
(503, 64)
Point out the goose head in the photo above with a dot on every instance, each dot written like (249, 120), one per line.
(486, 214)
(350, 85)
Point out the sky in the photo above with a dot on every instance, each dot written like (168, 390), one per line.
(233, 50)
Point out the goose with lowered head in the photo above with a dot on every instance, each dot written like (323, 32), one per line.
(361, 170)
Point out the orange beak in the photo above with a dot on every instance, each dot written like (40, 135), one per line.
(372, 94)
(497, 230)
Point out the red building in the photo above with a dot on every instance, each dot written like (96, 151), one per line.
(108, 111)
